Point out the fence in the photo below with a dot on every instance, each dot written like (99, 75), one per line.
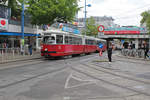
(9, 54)
(133, 52)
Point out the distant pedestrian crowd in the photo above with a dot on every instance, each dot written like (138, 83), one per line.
(142, 47)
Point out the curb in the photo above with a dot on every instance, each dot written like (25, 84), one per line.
(133, 58)
(15, 60)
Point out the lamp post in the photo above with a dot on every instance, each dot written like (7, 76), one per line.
(89, 5)
(22, 29)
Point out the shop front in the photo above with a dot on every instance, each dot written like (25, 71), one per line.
(13, 40)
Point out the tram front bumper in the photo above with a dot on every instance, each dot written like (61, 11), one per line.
(47, 53)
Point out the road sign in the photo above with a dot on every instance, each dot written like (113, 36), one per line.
(100, 28)
(122, 41)
(101, 45)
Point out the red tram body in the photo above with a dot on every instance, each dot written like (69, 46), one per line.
(59, 43)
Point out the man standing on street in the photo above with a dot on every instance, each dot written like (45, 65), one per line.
(109, 51)
(146, 49)
(30, 49)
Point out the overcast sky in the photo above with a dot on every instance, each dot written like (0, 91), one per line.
(125, 12)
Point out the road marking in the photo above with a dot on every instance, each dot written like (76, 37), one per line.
(66, 98)
(83, 82)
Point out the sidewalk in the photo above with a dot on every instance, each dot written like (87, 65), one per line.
(17, 57)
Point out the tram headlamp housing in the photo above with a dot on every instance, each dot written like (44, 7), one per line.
(46, 49)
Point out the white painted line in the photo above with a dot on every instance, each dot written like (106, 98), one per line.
(84, 82)
(67, 81)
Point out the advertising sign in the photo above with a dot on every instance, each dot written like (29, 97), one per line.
(69, 29)
(3, 24)
(120, 32)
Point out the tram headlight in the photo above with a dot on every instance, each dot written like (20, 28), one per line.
(46, 49)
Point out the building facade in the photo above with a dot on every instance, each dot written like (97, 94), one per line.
(10, 30)
(99, 20)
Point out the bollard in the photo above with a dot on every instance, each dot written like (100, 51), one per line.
(13, 54)
(2, 55)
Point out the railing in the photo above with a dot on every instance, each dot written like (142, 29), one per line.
(133, 52)
(8, 54)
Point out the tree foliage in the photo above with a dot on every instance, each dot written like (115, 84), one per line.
(91, 27)
(146, 19)
(48, 11)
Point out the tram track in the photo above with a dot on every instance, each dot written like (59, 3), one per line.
(113, 73)
(33, 77)
(110, 83)
(132, 79)
(56, 62)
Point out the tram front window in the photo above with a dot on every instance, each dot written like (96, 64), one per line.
(49, 40)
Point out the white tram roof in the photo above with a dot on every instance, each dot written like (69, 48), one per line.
(56, 31)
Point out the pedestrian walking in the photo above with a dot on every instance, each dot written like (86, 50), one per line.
(146, 50)
(109, 51)
(30, 49)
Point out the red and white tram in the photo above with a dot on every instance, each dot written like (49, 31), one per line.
(59, 43)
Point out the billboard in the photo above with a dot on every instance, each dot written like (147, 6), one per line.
(5, 12)
(121, 32)
(3, 24)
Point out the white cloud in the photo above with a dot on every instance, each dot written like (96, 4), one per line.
(125, 12)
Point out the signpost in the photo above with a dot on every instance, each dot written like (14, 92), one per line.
(22, 29)
(100, 28)
(101, 47)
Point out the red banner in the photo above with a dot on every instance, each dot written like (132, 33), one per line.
(120, 32)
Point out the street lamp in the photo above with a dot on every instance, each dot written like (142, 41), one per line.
(22, 29)
(89, 5)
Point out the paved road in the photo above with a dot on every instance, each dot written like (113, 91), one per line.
(79, 78)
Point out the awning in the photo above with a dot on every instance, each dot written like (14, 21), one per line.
(18, 34)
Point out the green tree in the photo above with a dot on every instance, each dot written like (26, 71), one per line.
(48, 11)
(146, 19)
(91, 27)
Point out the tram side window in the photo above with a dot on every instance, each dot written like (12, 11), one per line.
(89, 42)
(86, 41)
(74, 40)
(70, 40)
(59, 39)
(49, 40)
(78, 41)
(66, 40)
(92, 42)
(97, 42)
